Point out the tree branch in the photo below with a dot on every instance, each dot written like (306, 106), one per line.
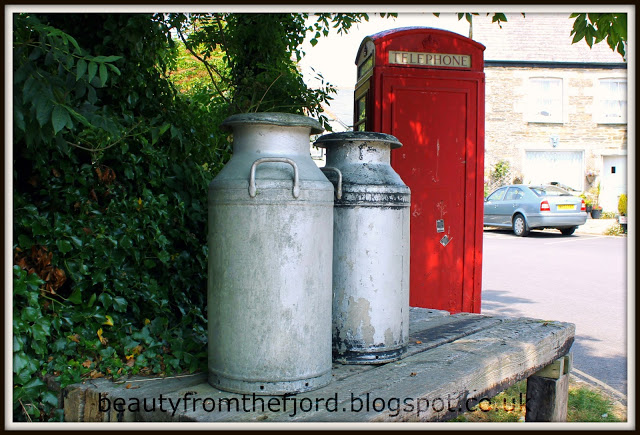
(207, 66)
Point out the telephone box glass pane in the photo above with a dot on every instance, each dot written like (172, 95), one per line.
(362, 109)
(365, 67)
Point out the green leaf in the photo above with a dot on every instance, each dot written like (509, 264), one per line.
(59, 345)
(59, 118)
(81, 69)
(76, 241)
(93, 68)
(126, 242)
(33, 384)
(50, 398)
(64, 245)
(18, 118)
(30, 314)
(154, 136)
(103, 74)
(114, 68)
(149, 264)
(18, 343)
(163, 256)
(80, 118)
(41, 329)
(76, 296)
(20, 361)
(43, 111)
(119, 304)
(33, 281)
(105, 299)
(106, 58)
(38, 229)
(92, 299)
(99, 277)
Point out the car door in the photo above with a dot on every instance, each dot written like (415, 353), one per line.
(491, 204)
(512, 200)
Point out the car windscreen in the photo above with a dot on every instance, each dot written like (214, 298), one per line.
(549, 191)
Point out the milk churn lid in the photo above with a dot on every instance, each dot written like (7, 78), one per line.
(334, 138)
(272, 118)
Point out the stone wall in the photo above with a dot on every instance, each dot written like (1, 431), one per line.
(509, 132)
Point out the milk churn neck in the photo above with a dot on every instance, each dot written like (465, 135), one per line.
(271, 133)
(358, 147)
(272, 118)
(333, 139)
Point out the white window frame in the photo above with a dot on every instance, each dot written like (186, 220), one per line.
(548, 110)
(606, 98)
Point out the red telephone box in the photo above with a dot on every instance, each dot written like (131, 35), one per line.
(426, 87)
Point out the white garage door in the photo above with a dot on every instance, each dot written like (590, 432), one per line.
(565, 167)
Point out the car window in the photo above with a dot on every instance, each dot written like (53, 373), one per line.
(549, 191)
(497, 195)
(514, 194)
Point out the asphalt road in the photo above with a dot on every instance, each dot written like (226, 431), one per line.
(580, 279)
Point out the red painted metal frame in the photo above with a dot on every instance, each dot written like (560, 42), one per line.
(446, 178)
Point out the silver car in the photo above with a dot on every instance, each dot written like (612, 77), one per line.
(525, 208)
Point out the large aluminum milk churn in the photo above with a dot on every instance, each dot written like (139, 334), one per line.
(371, 248)
(270, 255)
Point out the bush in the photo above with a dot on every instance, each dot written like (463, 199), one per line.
(111, 167)
(622, 204)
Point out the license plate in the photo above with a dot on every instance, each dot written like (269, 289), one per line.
(566, 207)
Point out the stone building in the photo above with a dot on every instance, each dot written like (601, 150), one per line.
(555, 111)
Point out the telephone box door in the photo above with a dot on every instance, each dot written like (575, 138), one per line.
(437, 118)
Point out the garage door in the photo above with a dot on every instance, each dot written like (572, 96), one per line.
(565, 167)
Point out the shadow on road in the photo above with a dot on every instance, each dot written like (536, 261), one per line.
(611, 369)
(500, 302)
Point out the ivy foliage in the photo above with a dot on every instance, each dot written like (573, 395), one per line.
(111, 167)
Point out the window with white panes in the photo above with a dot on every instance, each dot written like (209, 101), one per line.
(546, 100)
(612, 101)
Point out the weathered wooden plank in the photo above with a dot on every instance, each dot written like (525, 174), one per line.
(102, 400)
(417, 314)
(471, 368)
(441, 330)
(428, 328)
(462, 358)
(430, 385)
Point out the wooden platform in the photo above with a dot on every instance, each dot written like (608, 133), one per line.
(454, 362)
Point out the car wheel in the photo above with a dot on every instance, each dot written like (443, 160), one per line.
(567, 231)
(520, 226)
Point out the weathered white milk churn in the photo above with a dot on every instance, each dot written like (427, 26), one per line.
(270, 254)
(371, 248)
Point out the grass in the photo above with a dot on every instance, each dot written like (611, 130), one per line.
(586, 404)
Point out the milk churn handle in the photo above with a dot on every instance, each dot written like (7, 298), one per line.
(252, 174)
(339, 186)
